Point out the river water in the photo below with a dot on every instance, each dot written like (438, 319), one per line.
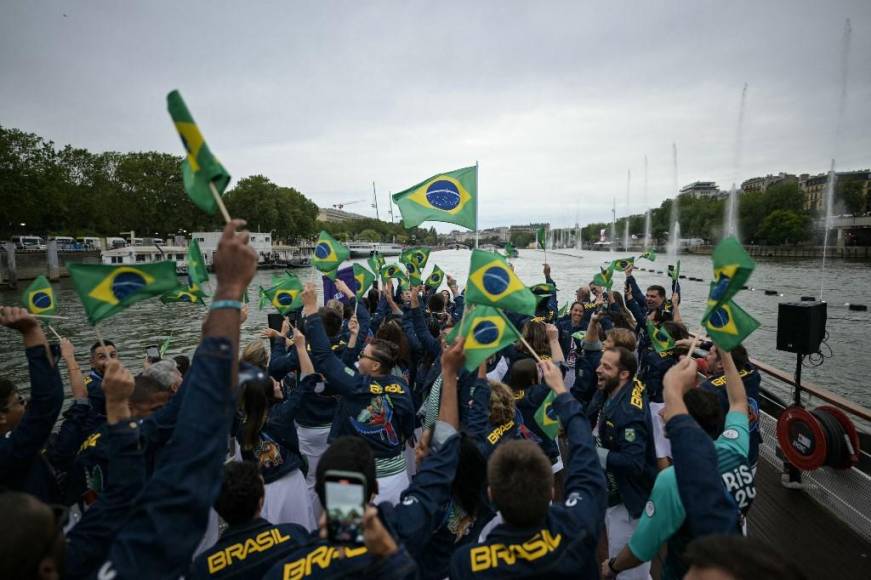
(846, 372)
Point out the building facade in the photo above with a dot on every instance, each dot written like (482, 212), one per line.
(329, 214)
(760, 184)
(699, 189)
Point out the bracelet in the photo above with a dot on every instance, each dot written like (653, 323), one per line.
(611, 566)
(222, 304)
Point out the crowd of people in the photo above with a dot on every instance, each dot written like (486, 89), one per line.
(220, 465)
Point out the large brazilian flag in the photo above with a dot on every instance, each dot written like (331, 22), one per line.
(106, 290)
(450, 197)
(329, 254)
(727, 324)
(492, 282)
(486, 331)
(38, 298)
(200, 167)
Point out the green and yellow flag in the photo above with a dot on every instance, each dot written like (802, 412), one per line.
(563, 310)
(329, 254)
(492, 282)
(732, 268)
(364, 279)
(727, 324)
(659, 337)
(621, 264)
(486, 331)
(193, 294)
(164, 346)
(200, 167)
(197, 273)
(541, 238)
(38, 298)
(106, 290)
(285, 295)
(392, 271)
(649, 254)
(510, 250)
(605, 278)
(376, 262)
(434, 280)
(414, 260)
(450, 197)
(546, 417)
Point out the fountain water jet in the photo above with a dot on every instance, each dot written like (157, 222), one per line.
(626, 223)
(730, 217)
(674, 226)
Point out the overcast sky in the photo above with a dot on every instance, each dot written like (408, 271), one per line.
(555, 100)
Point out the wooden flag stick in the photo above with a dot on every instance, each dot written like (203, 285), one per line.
(219, 201)
(50, 316)
(529, 348)
(51, 328)
(100, 339)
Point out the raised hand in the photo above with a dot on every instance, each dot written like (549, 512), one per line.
(552, 376)
(67, 350)
(453, 358)
(343, 288)
(19, 319)
(681, 377)
(118, 386)
(235, 261)
(309, 300)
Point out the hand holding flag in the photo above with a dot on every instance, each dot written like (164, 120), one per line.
(492, 282)
(329, 254)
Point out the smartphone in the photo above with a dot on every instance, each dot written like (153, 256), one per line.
(345, 493)
(152, 353)
(275, 321)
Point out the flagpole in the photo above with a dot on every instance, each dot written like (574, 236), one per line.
(529, 348)
(477, 204)
(100, 339)
(50, 316)
(51, 328)
(219, 201)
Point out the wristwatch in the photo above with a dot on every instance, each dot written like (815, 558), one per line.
(611, 566)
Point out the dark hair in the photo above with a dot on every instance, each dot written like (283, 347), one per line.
(7, 387)
(626, 360)
(521, 482)
(347, 454)
(743, 558)
(740, 356)
(145, 387)
(471, 477)
(704, 407)
(98, 344)
(241, 492)
(26, 543)
(390, 332)
(436, 302)
(677, 330)
(386, 353)
(332, 321)
(372, 299)
(535, 333)
(347, 310)
(524, 374)
(621, 337)
(658, 289)
(183, 363)
(257, 394)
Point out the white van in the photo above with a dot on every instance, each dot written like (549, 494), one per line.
(64, 242)
(29, 242)
(90, 243)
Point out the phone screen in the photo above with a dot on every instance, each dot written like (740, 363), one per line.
(275, 321)
(345, 505)
(152, 353)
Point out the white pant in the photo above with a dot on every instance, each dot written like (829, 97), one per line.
(620, 527)
(287, 502)
(391, 487)
(312, 444)
(660, 441)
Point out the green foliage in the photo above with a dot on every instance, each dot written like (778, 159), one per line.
(270, 208)
(369, 236)
(522, 239)
(852, 196)
(354, 230)
(784, 226)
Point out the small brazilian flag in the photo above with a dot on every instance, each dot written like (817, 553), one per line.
(510, 250)
(392, 271)
(732, 268)
(106, 290)
(659, 337)
(563, 310)
(285, 295)
(192, 295)
(546, 417)
(450, 197)
(648, 255)
(39, 297)
(674, 271)
(329, 253)
(492, 282)
(541, 238)
(414, 260)
(435, 278)
(621, 264)
(605, 278)
(486, 331)
(197, 273)
(200, 167)
(727, 324)
(364, 279)
(164, 346)
(376, 262)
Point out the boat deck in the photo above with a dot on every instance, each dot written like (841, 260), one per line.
(792, 523)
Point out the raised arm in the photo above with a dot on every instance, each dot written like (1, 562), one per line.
(341, 378)
(419, 324)
(305, 362)
(77, 382)
(556, 350)
(734, 385)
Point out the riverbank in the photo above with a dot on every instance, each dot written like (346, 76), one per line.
(844, 252)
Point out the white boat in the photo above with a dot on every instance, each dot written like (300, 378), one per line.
(132, 255)
(365, 249)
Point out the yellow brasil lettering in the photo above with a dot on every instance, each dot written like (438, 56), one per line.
(91, 441)
(392, 389)
(721, 380)
(321, 557)
(637, 391)
(497, 433)
(239, 551)
(495, 555)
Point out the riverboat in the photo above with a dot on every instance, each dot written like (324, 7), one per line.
(366, 249)
(132, 255)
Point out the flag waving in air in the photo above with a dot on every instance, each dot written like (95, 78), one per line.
(732, 268)
(106, 290)
(541, 238)
(450, 197)
(285, 295)
(649, 254)
(727, 324)
(192, 295)
(414, 259)
(364, 279)
(486, 331)
(434, 280)
(329, 254)
(376, 262)
(200, 168)
(546, 417)
(659, 337)
(197, 273)
(605, 278)
(392, 271)
(492, 282)
(621, 264)
(38, 298)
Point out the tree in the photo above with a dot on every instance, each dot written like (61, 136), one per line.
(522, 239)
(269, 208)
(852, 194)
(785, 226)
(369, 235)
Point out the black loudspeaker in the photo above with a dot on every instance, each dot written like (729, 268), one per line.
(801, 326)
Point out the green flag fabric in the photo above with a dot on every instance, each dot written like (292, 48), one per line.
(605, 278)
(200, 167)
(579, 335)
(659, 337)
(564, 309)
(546, 417)
(329, 254)
(649, 254)
(414, 259)
(193, 294)
(486, 331)
(106, 290)
(164, 346)
(492, 282)
(376, 262)
(392, 271)
(39, 298)
(674, 271)
(732, 268)
(434, 280)
(285, 295)
(510, 250)
(621, 264)
(364, 279)
(727, 324)
(541, 238)
(197, 273)
(450, 197)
